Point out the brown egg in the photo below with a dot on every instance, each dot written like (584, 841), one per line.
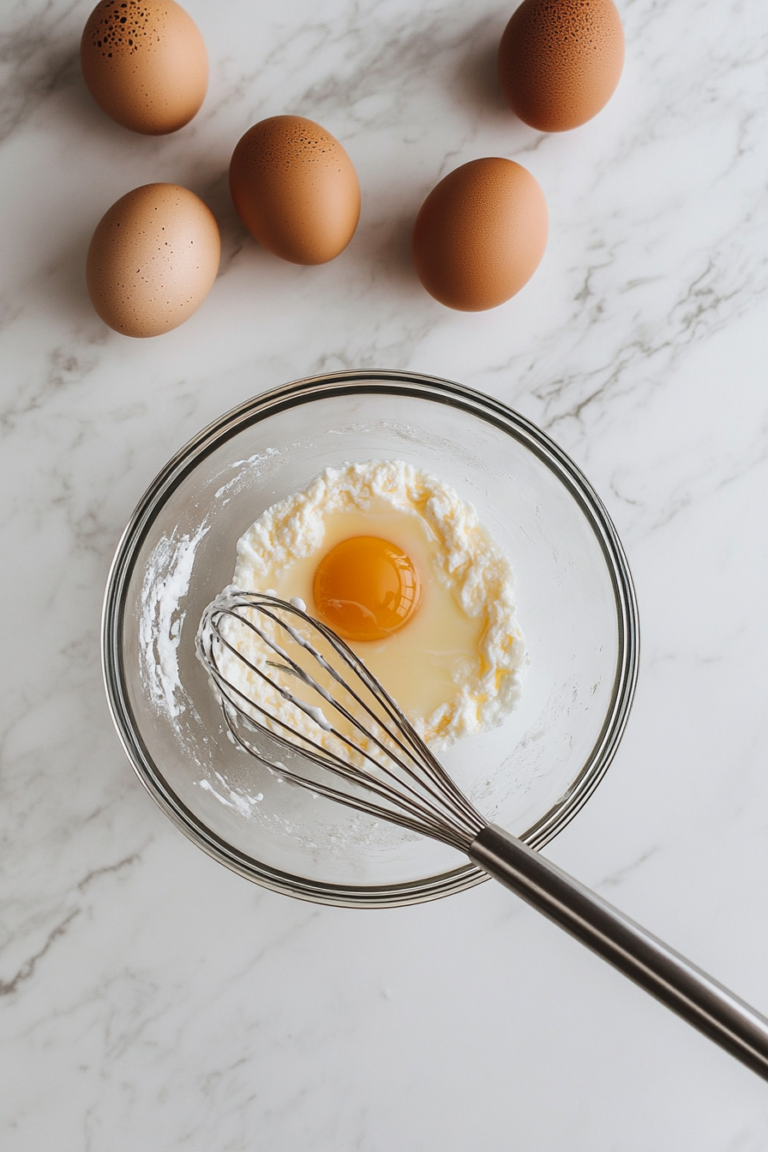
(152, 260)
(295, 189)
(480, 234)
(560, 61)
(145, 64)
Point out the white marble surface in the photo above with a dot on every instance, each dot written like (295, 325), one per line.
(151, 999)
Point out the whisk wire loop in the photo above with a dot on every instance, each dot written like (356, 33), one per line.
(397, 767)
(425, 825)
(349, 771)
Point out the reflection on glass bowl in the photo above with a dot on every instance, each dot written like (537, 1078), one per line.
(576, 605)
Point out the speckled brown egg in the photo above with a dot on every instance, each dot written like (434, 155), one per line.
(152, 260)
(560, 61)
(480, 234)
(295, 189)
(145, 64)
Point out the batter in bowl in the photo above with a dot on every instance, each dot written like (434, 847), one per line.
(397, 564)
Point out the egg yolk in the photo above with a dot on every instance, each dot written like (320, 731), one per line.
(366, 588)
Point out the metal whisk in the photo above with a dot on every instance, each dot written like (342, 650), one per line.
(282, 675)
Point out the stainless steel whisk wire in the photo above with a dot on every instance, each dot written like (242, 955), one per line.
(446, 816)
(413, 790)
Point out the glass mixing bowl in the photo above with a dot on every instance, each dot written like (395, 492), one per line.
(576, 606)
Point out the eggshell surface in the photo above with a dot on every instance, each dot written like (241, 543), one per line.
(145, 64)
(560, 61)
(152, 260)
(295, 189)
(480, 234)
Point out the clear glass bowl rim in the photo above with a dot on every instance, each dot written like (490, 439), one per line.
(305, 391)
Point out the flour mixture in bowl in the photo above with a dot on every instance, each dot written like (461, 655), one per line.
(397, 564)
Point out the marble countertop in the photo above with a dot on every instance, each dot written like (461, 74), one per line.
(151, 999)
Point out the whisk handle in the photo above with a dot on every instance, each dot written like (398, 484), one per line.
(642, 957)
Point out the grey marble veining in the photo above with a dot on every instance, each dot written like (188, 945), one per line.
(151, 999)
